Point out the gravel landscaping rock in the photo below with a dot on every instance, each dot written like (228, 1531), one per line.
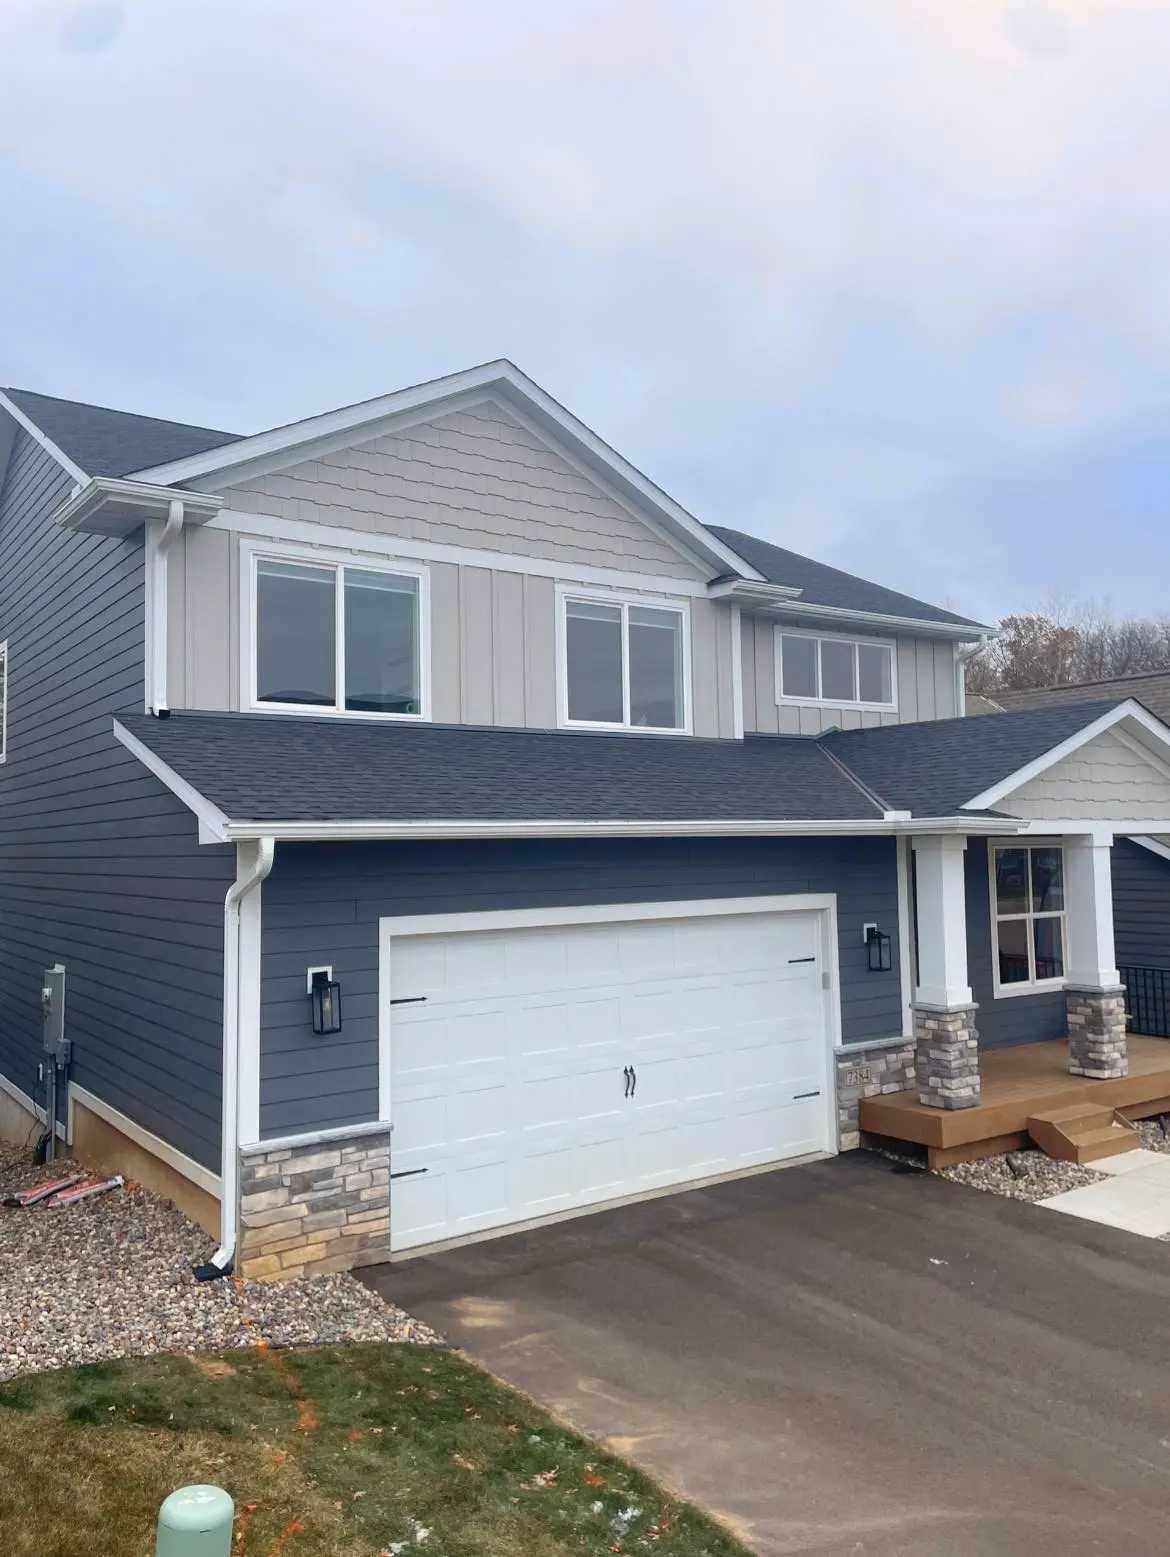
(1038, 1175)
(1152, 1137)
(111, 1277)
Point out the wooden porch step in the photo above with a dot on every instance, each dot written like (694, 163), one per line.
(1082, 1132)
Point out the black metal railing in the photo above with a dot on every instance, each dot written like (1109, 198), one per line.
(1147, 1001)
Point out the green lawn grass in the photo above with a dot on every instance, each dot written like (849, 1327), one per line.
(330, 1452)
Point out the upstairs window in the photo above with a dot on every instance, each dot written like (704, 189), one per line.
(338, 638)
(623, 664)
(3, 701)
(1027, 885)
(844, 672)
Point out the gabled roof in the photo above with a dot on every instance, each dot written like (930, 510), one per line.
(938, 767)
(273, 768)
(1150, 688)
(102, 442)
(822, 585)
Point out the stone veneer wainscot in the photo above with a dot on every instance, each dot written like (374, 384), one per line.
(314, 1207)
(868, 1072)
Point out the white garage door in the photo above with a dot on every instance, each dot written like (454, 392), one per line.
(536, 1071)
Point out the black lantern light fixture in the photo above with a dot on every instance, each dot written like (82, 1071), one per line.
(878, 945)
(324, 1001)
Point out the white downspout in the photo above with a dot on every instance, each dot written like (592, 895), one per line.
(248, 877)
(963, 657)
(159, 607)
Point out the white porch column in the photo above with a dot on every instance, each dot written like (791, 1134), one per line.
(1093, 988)
(947, 1044)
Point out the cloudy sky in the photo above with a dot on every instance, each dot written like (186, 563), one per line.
(887, 281)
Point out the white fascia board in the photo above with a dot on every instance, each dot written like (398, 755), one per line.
(371, 831)
(749, 592)
(1131, 713)
(213, 823)
(109, 505)
(805, 613)
(1154, 845)
(46, 443)
(501, 378)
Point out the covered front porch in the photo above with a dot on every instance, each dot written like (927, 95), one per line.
(1016, 1085)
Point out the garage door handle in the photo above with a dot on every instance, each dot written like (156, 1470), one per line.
(409, 1000)
(800, 1096)
(634, 1075)
(629, 1075)
(792, 960)
(409, 1173)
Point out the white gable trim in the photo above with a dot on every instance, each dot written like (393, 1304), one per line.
(1133, 714)
(46, 443)
(213, 823)
(372, 418)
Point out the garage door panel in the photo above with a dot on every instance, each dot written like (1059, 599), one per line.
(509, 1087)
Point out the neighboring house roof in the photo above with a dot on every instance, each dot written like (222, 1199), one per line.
(937, 767)
(102, 442)
(1150, 688)
(982, 705)
(820, 584)
(272, 768)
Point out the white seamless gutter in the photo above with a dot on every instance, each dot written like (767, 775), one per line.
(252, 868)
(890, 824)
(775, 599)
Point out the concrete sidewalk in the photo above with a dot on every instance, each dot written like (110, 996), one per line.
(842, 1358)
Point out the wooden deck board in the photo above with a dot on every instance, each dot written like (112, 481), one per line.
(1017, 1083)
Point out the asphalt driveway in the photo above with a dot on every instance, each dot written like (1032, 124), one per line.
(840, 1358)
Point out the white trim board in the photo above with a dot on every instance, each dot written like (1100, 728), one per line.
(46, 443)
(372, 418)
(203, 1178)
(213, 823)
(1133, 714)
(30, 1105)
(302, 532)
(1153, 845)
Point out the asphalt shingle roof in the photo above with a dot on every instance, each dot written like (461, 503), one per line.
(821, 585)
(934, 768)
(270, 767)
(114, 443)
(1150, 688)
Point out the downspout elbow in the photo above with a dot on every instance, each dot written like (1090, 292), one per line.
(248, 878)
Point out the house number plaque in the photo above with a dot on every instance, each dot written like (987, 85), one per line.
(859, 1076)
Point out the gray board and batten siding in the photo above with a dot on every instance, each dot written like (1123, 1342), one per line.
(926, 685)
(100, 866)
(477, 480)
(323, 902)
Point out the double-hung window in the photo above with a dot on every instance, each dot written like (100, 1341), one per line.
(1028, 912)
(844, 672)
(624, 663)
(339, 638)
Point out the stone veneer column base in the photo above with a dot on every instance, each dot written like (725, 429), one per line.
(865, 1073)
(947, 1056)
(1096, 1032)
(314, 1208)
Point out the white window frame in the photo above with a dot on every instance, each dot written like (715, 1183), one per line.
(4, 700)
(890, 644)
(252, 554)
(588, 596)
(1033, 985)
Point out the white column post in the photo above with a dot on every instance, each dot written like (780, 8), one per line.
(942, 922)
(946, 1053)
(1093, 989)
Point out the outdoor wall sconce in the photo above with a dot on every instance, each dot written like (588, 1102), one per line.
(878, 945)
(325, 1001)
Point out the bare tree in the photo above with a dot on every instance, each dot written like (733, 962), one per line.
(1067, 642)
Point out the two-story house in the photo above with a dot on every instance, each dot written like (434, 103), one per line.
(441, 830)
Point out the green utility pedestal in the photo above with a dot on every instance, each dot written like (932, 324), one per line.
(195, 1522)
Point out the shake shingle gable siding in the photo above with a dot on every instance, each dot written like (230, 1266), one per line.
(114, 443)
(265, 767)
(821, 585)
(933, 769)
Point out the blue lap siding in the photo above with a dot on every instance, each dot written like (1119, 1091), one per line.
(1141, 906)
(100, 866)
(322, 904)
